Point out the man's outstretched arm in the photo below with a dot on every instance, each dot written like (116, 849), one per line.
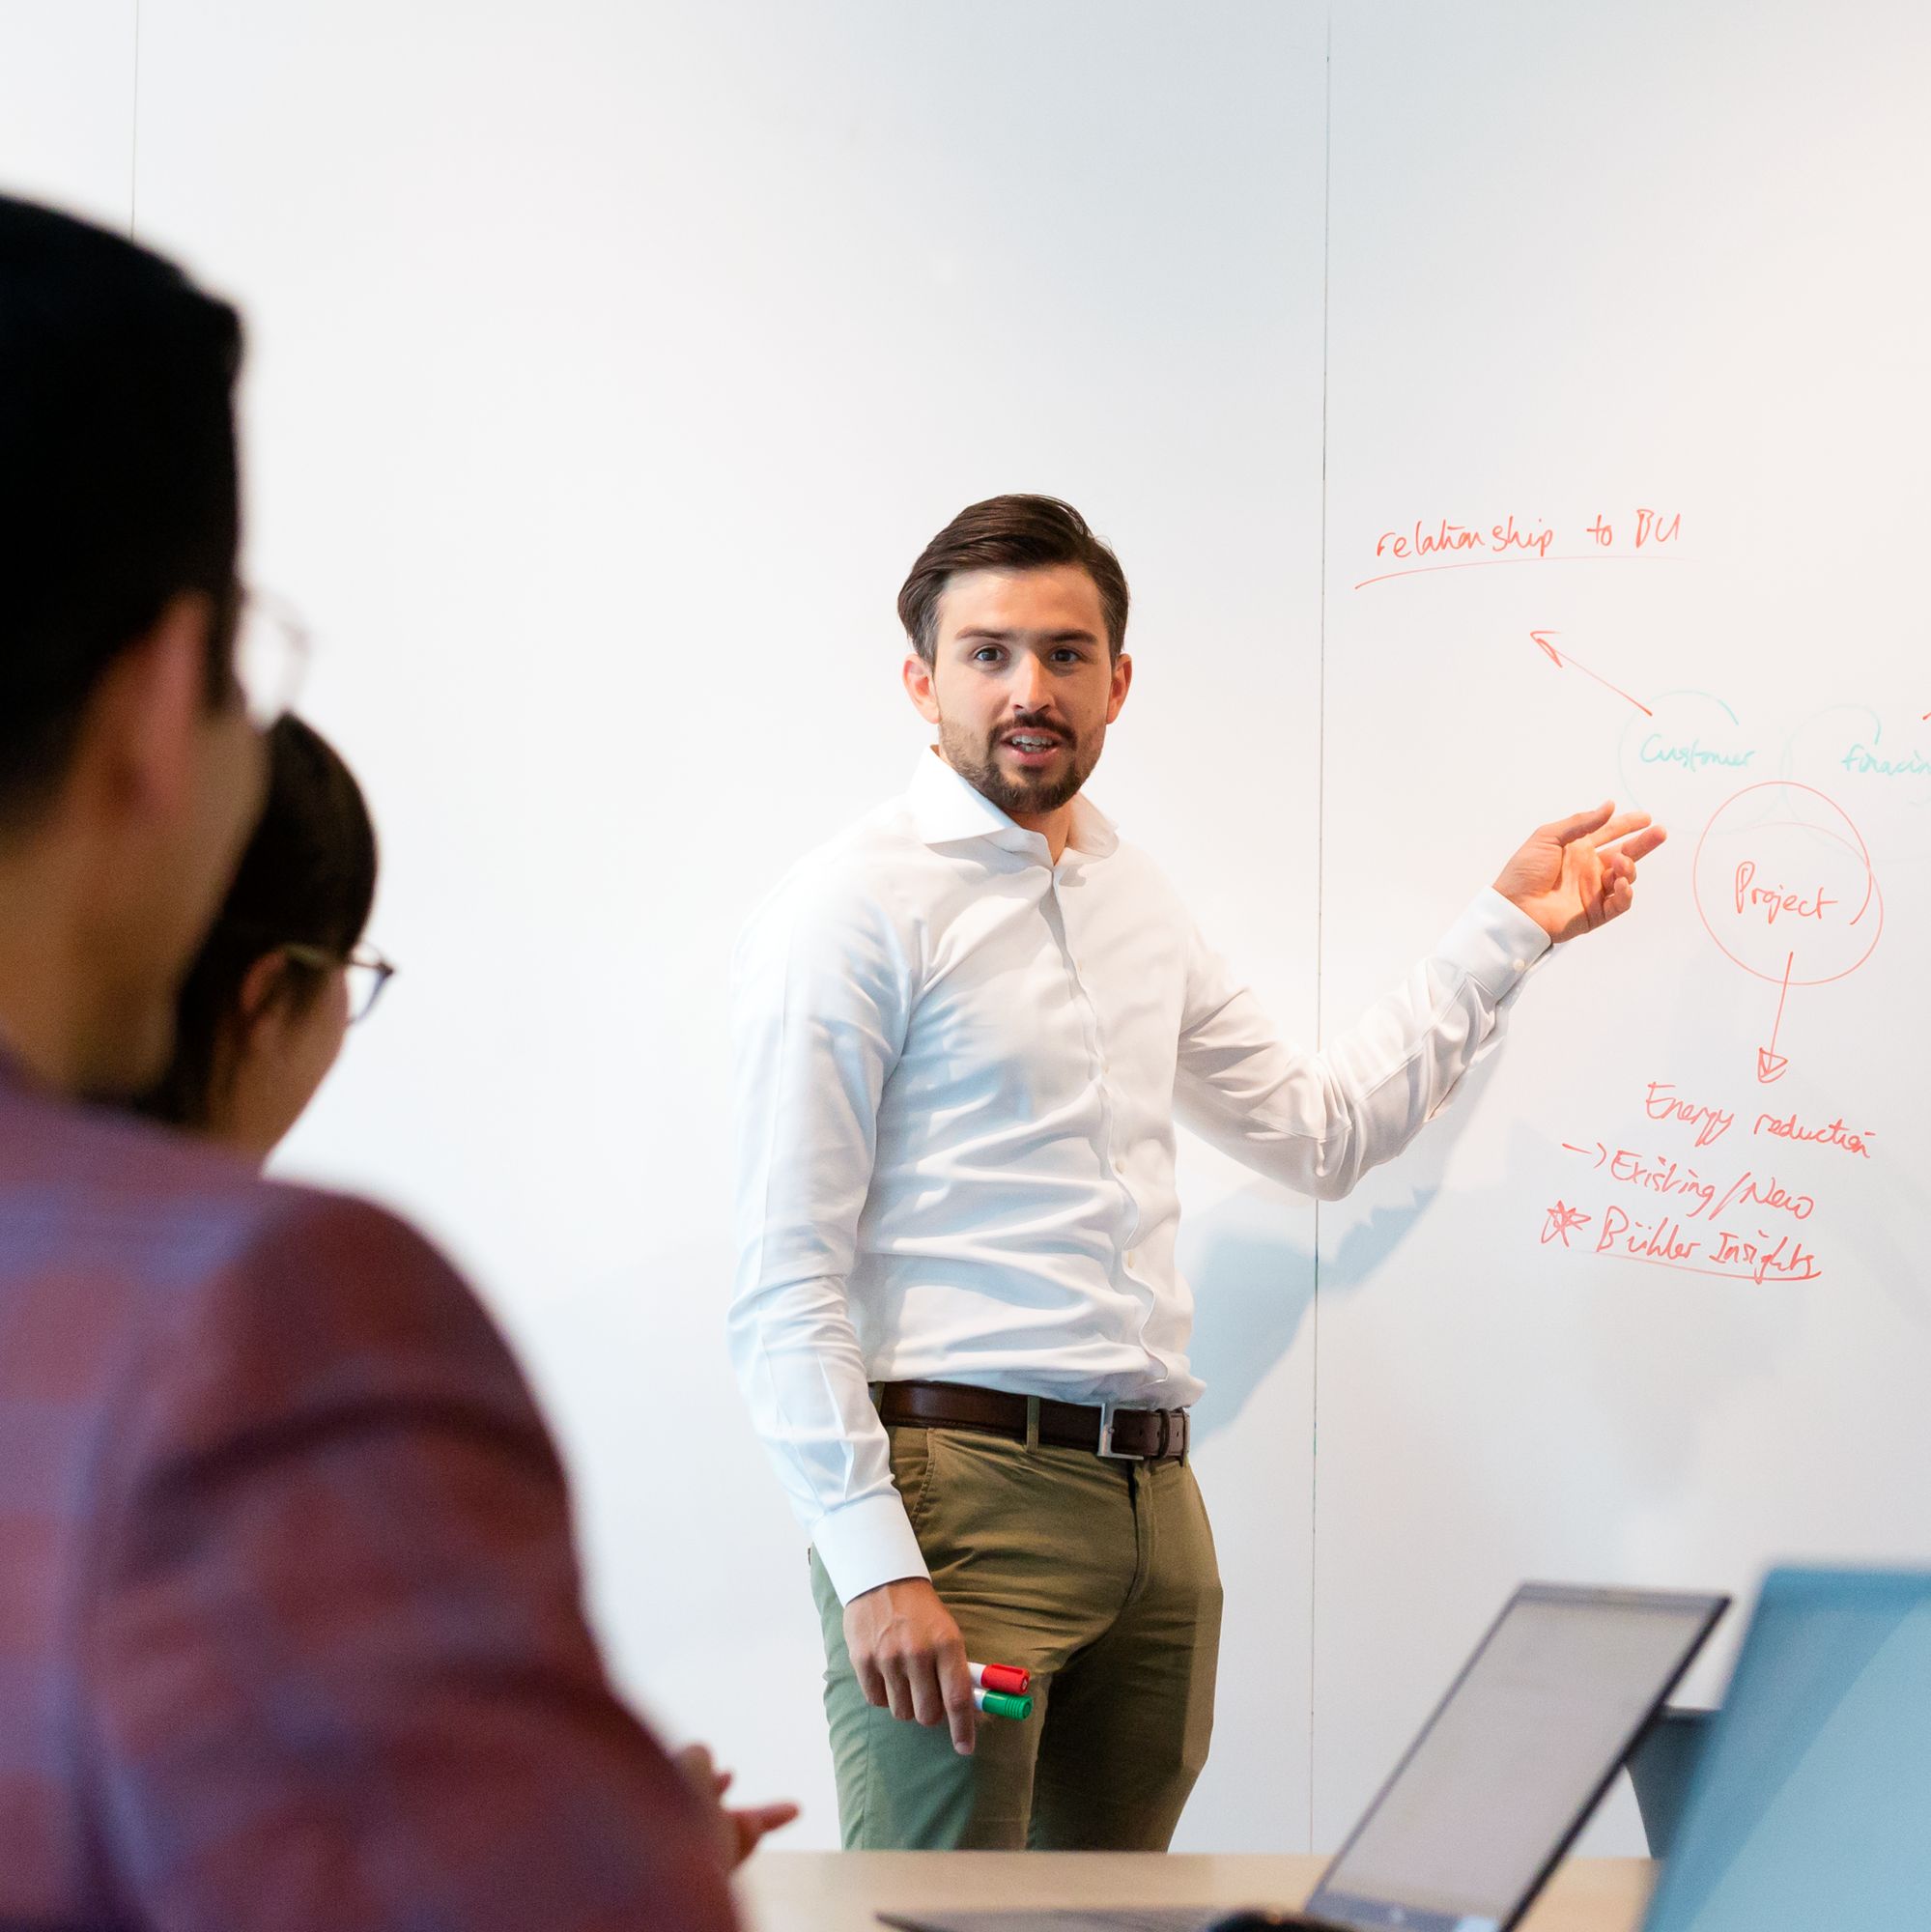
(1317, 1121)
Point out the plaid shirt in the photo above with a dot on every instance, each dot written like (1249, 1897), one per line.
(290, 1624)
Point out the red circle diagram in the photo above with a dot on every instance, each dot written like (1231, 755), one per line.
(1784, 885)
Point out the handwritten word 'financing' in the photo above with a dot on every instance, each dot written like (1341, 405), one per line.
(1866, 763)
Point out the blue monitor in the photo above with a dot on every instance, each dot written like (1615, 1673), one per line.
(1811, 1802)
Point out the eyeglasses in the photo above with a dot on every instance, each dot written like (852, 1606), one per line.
(271, 648)
(367, 970)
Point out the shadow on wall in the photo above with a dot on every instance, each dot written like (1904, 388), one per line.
(1255, 1274)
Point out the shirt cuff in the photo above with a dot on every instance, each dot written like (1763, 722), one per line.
(868, 1543)
(1495, 943)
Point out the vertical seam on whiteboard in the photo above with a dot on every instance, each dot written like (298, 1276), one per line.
(1320, 888)
(134, 132)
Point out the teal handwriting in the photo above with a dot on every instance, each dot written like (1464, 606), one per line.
(1656, 750)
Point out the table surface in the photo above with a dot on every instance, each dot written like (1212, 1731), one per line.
(840, 1891)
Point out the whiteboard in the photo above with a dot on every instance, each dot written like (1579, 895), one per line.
(1629, 418)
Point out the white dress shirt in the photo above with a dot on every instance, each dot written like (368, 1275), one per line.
(956, 1069)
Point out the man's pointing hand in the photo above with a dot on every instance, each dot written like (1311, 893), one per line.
(1581, 872)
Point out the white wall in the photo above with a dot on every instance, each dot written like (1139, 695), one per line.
(609, 365)
(66, 105)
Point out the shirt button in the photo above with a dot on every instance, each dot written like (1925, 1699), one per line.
(1129, 1256)
(1120, 1167)
(1518, 965)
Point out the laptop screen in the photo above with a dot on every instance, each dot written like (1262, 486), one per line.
(1512, 1761)
(1813, 1802)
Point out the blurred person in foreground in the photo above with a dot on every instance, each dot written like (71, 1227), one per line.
(284, 972)
(290, 1629)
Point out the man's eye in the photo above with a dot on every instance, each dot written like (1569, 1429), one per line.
(986, 654)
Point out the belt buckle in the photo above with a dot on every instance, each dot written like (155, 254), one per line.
(1105, 1445)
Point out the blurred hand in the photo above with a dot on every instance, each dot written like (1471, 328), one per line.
(738, 1831)
(1581, 872)
(909, 1657)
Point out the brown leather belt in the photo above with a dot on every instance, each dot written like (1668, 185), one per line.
(1124, 1434)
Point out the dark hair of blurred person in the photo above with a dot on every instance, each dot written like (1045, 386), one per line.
(129, 771)
(292, 1634)
(267, 1002)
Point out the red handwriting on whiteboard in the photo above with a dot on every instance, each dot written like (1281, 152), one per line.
(1786, 1259)
(1760, 1258)
(1790, 1129)
(1661, 1240)
(1661, 1174)
(1563, 1221)
(1770, 903)
(1561, 658)
(1470, 544)
(1663, 1102)
(1421, 541)
(1711, 1124)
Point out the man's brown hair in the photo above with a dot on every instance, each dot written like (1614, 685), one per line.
(1015, 532)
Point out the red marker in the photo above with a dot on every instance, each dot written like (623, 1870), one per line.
(1006, 1678)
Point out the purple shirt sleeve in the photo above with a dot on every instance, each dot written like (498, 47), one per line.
(339, 1675)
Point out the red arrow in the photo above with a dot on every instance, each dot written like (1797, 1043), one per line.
(1769, 1062)
(1561, 658)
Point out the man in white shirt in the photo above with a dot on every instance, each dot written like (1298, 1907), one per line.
(963, 1031)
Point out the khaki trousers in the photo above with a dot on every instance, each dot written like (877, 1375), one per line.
(1098, 1577)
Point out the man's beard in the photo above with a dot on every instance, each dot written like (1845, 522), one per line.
(1022, 793)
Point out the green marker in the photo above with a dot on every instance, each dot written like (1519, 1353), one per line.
(997, 1704)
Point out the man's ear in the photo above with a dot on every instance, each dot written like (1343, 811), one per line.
(917, 676)
(1122, 683)
(138, 734)
(261, 986)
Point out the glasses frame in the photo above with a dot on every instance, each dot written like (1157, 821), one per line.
(322, 960)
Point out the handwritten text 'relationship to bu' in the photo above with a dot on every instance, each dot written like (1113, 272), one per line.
(1442, 543)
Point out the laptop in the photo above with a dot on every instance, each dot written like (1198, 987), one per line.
(1810, 1804)
(1490, 1796)
(1660, 1768)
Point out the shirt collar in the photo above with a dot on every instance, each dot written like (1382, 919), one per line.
(946, 809)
